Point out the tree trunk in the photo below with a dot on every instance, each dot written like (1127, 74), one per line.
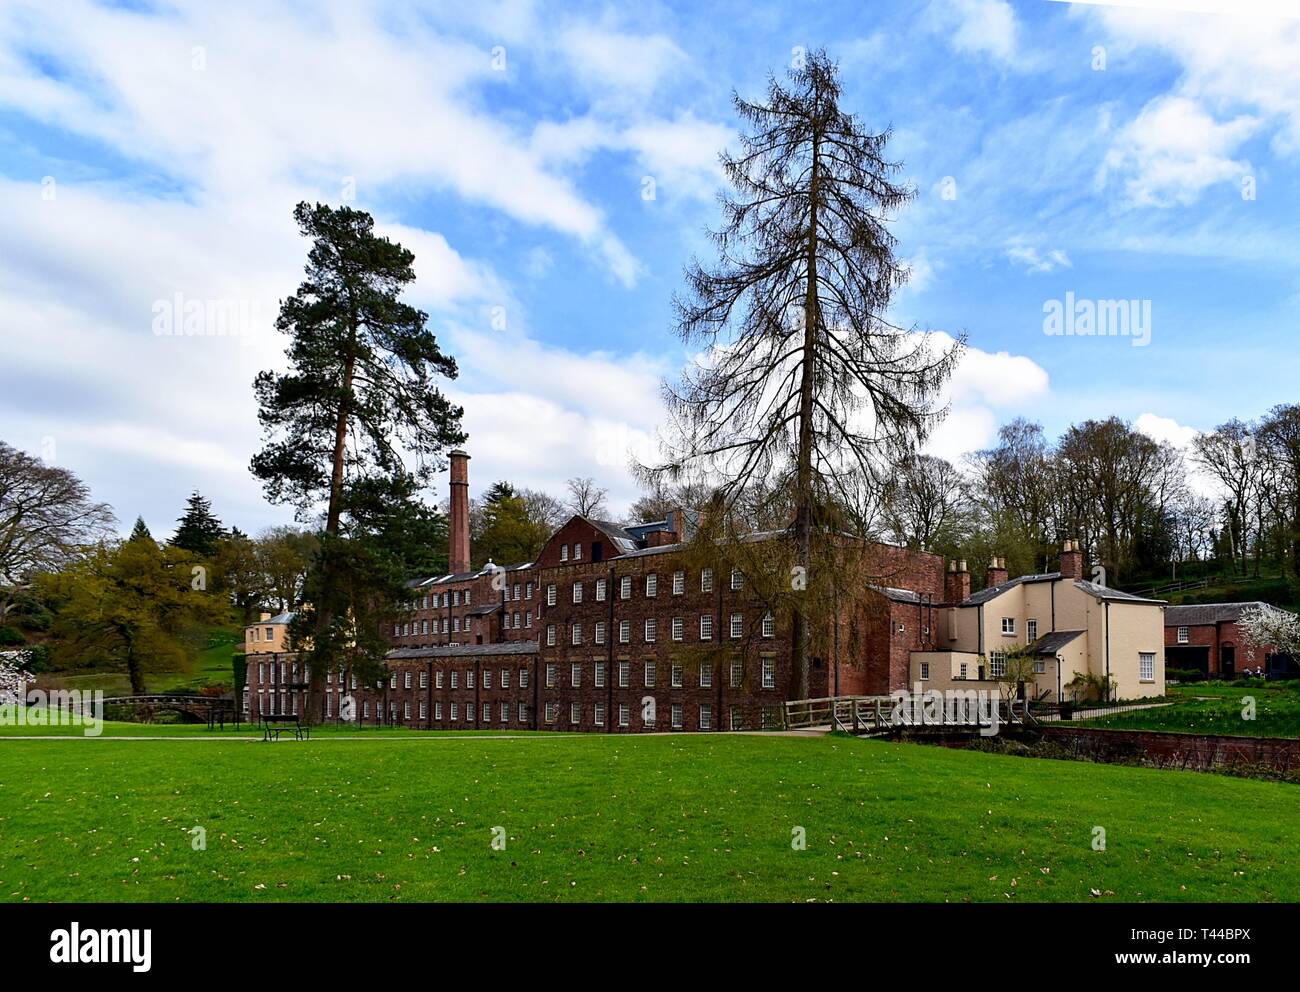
(133, 670)
(803, 483)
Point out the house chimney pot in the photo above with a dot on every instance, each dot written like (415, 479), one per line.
(1071, 561)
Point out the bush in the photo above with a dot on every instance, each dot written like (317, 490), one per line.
(1185, 674)
(11, 637)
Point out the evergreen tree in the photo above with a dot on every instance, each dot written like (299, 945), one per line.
(140, 532)
(357, 405)
(198, 530)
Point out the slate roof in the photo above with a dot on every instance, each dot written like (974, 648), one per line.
(464, 650)
(1206, 613)
(897, 595)
(1091, 588)
(279, 618)
(1051, 643)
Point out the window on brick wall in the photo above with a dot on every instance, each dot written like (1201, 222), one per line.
(624, 714)
(437, 711)
(679, 628)
(737, 672)
(487, 712)
(625, 632)
(523, 678)
(575, 675)
(677, 716)
(706, 716)
(706, 674)
(564, 552)
(455, 711)
(505, 712)
(601, 585)
(769, 625)
(737, 579)
(737, 625)
(599, 633)
(624, 674)
(651, 585)
(769, 673)
(487, 678)
(455, 679)
(706, 580)
(575, 713)
(469, 679)
(679, 582)
(550, 676)
(523, 713)
(406, 681)
(650, 674)
(1184, 635)
(577, 592)
(437, 679)
(598, 716)
(550, 594)
(551, 710)
(599, 678)
(625, 587)
(550, 635)
(706, 627)
(650, 630)
(577, 552)
(505, 678)
(577, 633)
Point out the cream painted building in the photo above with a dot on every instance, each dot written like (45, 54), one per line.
(270, 635)
(1073, 627)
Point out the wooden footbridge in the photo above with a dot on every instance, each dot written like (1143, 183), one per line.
(958, 714)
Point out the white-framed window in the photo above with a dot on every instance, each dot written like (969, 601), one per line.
(650, 630)
(575, 713)
(961, 670)
(598, 677)
(737, 625)
(550, 676)
(469, 679)
(601, 585)
(528, 618)
(487, 712)
(455, 597)
(650, 674)
(365, 709)
(769, 672)
(706, 716)
(706, 626)
(625, 632)
(424, 710)
(523, 678)
(523, 712)
(737, 718)
(516, 592)
(424, 626)
(528, 590)
(997, 664)
(737, 579)
(1146, 666)
(455, 679)
(599, 634)
(925, 671)
(406, 710)
(505, 678)
(624, 714)
(550, 635)
(505, 712)
(1040, 666)
(487, 678)
(575, 675)
(437, 679)
(437, 711)
(552, 710)
(1008, 626)
(550, 594)
(706, 580)
(577, 552)
(679, 582)
(677, 675)
(577, 592)
(406, 681)
(651, 585)
(625, 587)
(392, 681)
(677, 716)
(564, 552)
(624, 674)
(576, 635)
(679, 628)
(737, 672)
(769, 625)
(455, 712)
(1184, 635)
(598, 715)
(455, 625)
(1031, 631)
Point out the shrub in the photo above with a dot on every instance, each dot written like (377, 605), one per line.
(11, 637)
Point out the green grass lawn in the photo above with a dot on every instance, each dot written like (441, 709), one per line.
(211, 665)
(409, 817)
(1214, 708)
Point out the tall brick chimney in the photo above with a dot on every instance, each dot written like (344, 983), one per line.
(1071, 561)
(996, 574)
(458, 552)
(956, 585)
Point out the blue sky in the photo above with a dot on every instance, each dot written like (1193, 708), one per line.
(149, 150)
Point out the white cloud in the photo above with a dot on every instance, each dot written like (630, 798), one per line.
(978, 26)
(1174, 149)
(1168, 430)
(614, 62)
(1029, 258)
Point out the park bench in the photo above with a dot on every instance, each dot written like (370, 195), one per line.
(272, 723)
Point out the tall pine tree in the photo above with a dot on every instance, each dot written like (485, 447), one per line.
(358, 404)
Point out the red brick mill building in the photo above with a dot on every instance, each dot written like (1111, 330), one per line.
(613, 629)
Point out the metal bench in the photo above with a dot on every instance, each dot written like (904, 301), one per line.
(273, 723)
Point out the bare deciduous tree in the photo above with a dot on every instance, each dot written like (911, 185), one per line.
(803, 377)
(586, 498)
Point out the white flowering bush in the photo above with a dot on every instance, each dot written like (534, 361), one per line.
(13, 679)
(1268, 627)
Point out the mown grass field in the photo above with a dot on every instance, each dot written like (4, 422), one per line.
(1215, 708)
(409, 817)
